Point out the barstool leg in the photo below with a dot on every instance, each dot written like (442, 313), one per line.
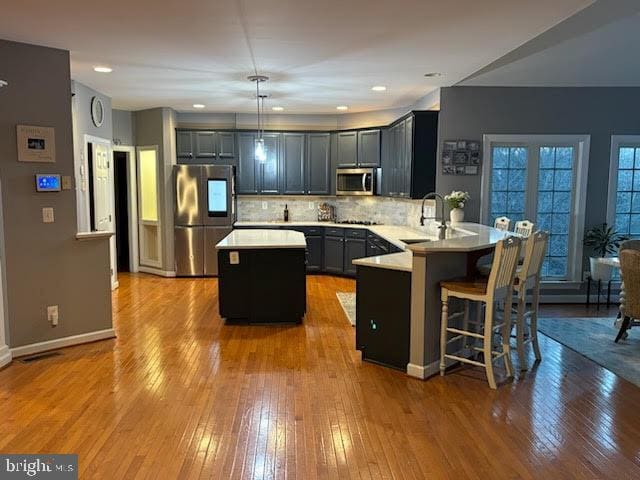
(487, 345)
(520, 328)
(443, 331)
(465, 325)
(533, 329)
(506, 336)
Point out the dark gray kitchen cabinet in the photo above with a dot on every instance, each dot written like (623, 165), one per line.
(315, 244)
(347, 149)
(385, 162)
(334, 254)
(206, 144)
(226, 145)
(407, 154)
(318, 164)
(269, 183)
(369, 148)
(293, 163)
(353, 248)
(247, 174)
(184, 145)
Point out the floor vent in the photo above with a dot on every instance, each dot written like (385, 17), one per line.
(38, 356)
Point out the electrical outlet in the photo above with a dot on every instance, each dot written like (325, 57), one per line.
(52, 315)
(264, 205)
(47, 215)
(311, 205)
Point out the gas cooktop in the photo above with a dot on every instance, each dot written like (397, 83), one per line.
(358, 222)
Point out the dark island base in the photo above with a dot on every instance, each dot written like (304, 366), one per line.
(383, 316)
(266, 286)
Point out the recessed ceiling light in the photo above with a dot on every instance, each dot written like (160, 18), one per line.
(379, 88)
(342, 107)
(277, 109)
(198, 105)
(433, 74)
(100, 69)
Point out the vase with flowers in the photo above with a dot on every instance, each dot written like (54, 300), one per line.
(456, 201)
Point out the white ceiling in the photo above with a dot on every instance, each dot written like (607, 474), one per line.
(318, 54)
(595, 48)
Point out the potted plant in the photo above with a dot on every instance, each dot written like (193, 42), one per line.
(456, 201)
(605, 241)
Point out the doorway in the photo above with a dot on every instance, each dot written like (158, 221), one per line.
(121, 180)
(125, 194)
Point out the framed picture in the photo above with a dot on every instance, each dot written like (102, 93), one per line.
(461, 157)
(36, 144)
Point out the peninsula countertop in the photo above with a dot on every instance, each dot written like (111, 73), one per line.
(262, 239)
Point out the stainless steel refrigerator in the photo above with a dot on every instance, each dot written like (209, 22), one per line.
(205, 209)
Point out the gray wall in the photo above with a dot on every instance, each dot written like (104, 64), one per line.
(157, 127)
(84, 124)
(470, 112)
(45, 264)
(123, 127)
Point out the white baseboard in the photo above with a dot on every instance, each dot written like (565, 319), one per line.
(157, 271)
(5, 356)
(423, 371)
(62, 342)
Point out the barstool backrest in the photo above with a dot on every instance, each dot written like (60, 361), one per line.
(524, 228)
(630, 266)
(503, 269)
(502, 223)
(534, 251)
(630, 245)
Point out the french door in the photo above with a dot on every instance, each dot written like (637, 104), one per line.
(541, 178)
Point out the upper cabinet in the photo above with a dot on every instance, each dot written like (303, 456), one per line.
(347, 149)
(318, 164)
(269, 183)
(357, 149)
(369, 148)
(209, 147)
(293, 164)
(247, 172)
(410, 156)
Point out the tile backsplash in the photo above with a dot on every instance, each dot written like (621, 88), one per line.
(388, 211)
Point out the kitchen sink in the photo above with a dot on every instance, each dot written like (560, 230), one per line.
(415, 240)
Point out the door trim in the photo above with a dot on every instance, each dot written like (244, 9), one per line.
(132, 204)
(84, 194)
(5, 353)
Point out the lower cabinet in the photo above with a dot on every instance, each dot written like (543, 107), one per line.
(334, 254)
(383, 316)
(353, 248)
(315, 245)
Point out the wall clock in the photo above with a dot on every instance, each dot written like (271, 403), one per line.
(97, 111)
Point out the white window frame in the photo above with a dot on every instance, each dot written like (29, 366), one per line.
(581, 144)
(617, 141)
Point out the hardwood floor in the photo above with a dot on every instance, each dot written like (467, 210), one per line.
(181, 395)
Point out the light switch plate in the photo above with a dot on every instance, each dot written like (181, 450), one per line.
(47, 215)
(66, 182)
(52, 315)
(234, 258)
(264, 205)
(311, 205)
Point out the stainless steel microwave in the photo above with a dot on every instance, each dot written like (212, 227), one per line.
(356, 181)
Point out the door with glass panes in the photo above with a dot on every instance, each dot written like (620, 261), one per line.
(537, 180)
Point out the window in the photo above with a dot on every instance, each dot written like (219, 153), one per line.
(624, 185)
(541, 178)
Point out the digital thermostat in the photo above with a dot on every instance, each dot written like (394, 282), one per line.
(47, 183)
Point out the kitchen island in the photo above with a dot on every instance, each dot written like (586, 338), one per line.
(262, 276)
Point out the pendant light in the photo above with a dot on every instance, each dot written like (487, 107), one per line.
(260, 150)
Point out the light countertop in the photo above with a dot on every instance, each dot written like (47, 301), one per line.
(402, 261)
(462, 237)
(262, 239)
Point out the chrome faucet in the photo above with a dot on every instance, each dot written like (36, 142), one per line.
(443, 224)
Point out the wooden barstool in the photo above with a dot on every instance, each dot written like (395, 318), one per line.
(528, 278)
(497, 287)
